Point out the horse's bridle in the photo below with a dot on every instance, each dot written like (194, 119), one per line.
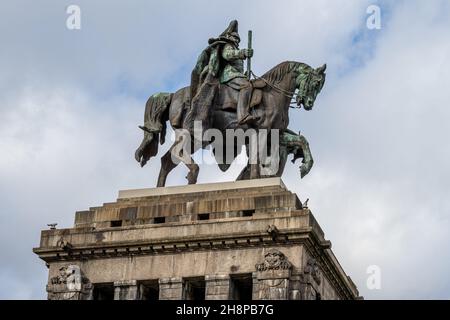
(286, 93)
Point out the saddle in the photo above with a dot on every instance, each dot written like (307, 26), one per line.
(228, 95)
(258, 85)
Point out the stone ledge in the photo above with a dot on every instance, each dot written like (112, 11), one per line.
(100, 251)
(181, 232)
(205, 187)
(240, 221)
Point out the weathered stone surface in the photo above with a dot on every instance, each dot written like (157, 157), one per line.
(217, 287)
(126, 290)
(69, 284)
(171, 288)
(261, 231)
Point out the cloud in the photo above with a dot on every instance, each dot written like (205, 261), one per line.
(380, 186)
(60, 154)
(71, 102)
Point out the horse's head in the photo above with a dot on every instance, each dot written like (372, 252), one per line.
(309, 82)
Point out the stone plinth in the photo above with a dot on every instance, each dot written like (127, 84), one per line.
(237, 240)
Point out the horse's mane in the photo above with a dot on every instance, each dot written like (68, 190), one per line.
(277, 73)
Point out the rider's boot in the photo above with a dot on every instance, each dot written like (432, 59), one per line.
(243, 107)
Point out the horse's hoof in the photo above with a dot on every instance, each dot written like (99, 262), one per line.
(138, 155)
(191, 179)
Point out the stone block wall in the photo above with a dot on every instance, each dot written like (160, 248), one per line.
(213, 234)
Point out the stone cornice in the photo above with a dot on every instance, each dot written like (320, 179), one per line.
(319, 248)
(162, 226)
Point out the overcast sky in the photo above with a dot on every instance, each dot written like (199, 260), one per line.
(71, 101)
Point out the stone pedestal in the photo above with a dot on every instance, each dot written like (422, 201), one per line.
(217, 287)
(171, 288)
(126, 290)
(248, 239)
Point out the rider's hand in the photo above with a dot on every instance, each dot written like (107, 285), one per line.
(248, 53)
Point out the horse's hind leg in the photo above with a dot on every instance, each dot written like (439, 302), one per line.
(173, 157)
(193, 171)
(190, 163)
(167, 165)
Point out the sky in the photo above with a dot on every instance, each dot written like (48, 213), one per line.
(71, 102)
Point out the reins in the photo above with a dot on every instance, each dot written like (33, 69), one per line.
(286, 93)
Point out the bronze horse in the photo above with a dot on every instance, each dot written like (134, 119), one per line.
(271, 101)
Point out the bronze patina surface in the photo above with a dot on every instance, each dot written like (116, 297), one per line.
(222, 97)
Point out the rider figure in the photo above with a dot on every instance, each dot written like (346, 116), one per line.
(233, 74)
(222, 60)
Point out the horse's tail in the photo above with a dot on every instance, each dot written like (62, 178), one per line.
(155, 118)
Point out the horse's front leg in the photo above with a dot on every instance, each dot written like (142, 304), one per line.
(307, 161)
(251, 147)
(193, 172)
(282, 161)
(167, 165)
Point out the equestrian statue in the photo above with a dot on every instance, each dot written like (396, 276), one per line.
(222, 98)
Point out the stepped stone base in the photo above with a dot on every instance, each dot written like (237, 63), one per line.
(248, 239)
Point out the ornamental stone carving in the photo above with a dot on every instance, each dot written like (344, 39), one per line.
(69, 284)
(312, 268)
(274, 260)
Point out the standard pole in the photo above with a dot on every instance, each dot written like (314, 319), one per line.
(249, 60)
